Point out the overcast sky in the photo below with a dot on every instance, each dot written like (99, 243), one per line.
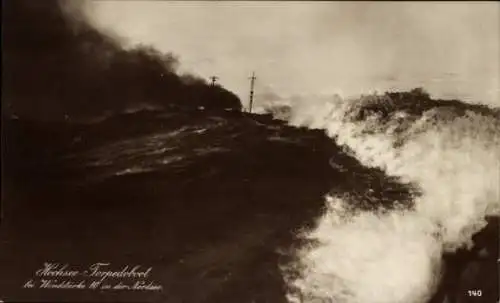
(452, 49)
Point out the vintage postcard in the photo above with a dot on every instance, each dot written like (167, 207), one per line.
(250, 151)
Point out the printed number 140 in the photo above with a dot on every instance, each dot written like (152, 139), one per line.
(475, 293)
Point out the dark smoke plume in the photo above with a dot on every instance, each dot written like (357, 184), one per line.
(56, 65)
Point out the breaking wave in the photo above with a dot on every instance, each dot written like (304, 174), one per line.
(449, 149)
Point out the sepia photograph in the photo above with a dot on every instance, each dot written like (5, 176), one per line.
(250, 151)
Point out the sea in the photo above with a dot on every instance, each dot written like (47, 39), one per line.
(382, 198)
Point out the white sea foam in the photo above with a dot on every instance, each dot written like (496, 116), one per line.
(392, 258)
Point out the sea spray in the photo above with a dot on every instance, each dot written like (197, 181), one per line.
(453, 156)
(368, 257)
